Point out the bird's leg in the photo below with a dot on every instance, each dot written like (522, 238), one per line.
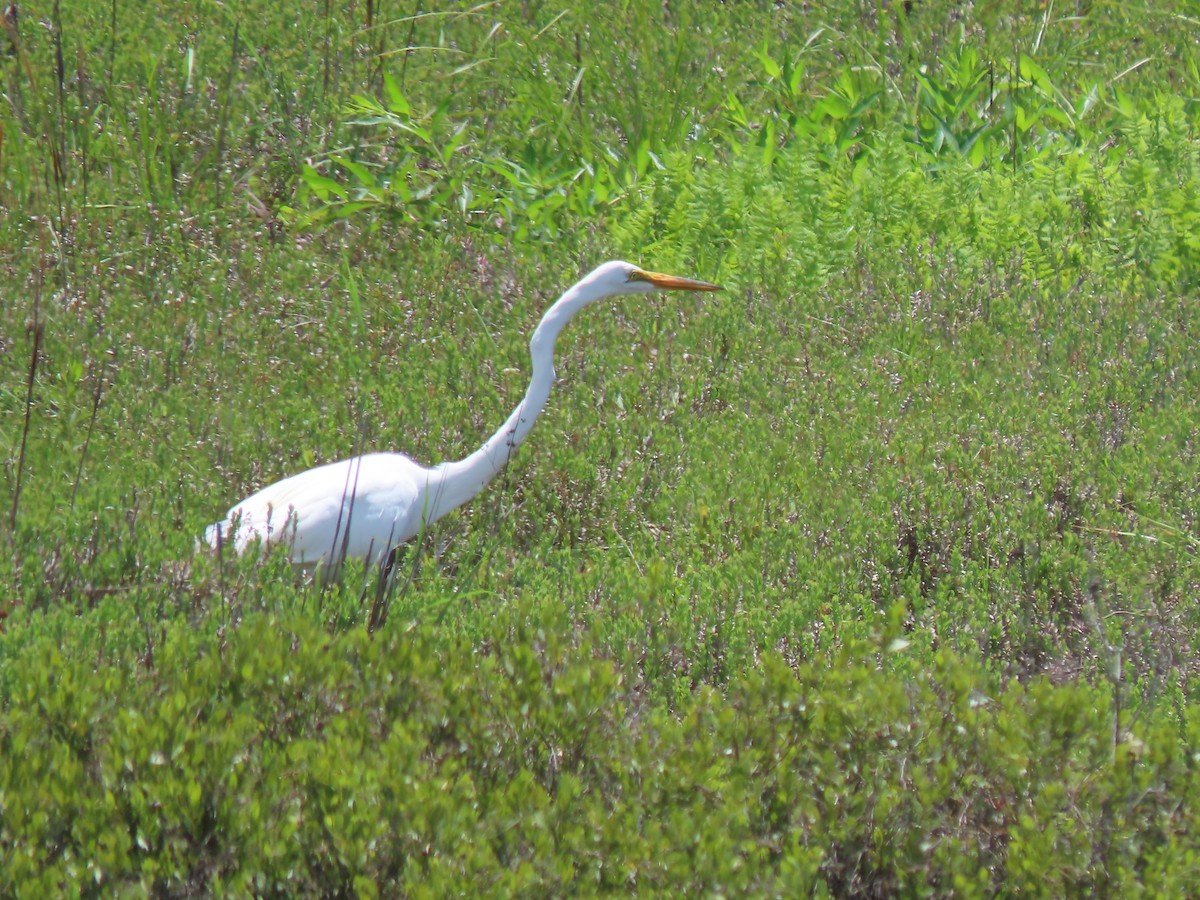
(384, 587)
(390, 559)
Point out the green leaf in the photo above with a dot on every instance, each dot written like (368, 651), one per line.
(769, 65)
(396, 100)
(358, 170)
(321, 185)
(1031, 72)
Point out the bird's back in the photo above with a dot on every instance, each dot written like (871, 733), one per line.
(360, 507)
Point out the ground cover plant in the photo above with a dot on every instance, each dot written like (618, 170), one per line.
(874, 574)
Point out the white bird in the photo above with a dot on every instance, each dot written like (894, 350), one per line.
(366, 506)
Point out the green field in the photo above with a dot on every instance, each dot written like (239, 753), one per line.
(876, 573)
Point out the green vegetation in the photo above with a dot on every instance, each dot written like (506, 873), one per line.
(876, 573)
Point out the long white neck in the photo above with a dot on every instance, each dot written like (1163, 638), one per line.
(452, 484)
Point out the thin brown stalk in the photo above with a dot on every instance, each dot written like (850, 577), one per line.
(37, 329)
(87, 441)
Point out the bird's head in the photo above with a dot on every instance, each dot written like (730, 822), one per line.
(625, 278)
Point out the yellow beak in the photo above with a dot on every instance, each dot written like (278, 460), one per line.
(673, 282)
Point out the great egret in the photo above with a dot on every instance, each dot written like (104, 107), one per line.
(366, 506)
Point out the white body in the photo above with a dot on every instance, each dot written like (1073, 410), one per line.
(365, 506)
(376, 508)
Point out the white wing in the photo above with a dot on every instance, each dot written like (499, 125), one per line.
(359, 507)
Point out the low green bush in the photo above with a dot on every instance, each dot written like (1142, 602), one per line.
(281, 759)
